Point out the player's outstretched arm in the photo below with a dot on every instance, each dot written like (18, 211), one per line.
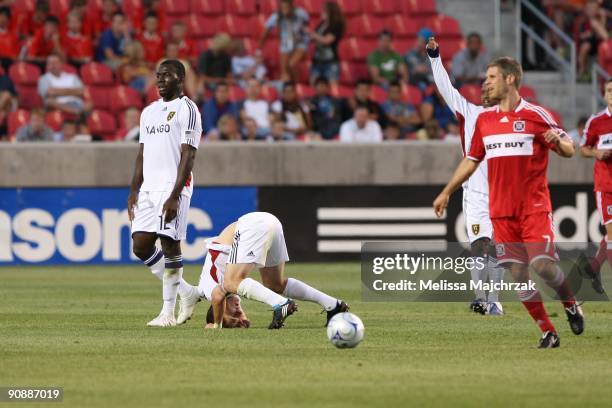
(463, 172)
(137, 179)
(184, 171)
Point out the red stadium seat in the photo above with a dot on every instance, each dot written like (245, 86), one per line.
(95, 73)
(471, 92)
(341, 91)
(350, 7)
(98, 96)
(445, 27)
(207, 7)
(71, 69)
(412, 95)
(402, 26)
(237, 26)
(132, 8)
(313, 7)
(451, 47)
(267, 7)
(152, 95)
(102, 123)
(305, 91)
(236, 93)
(122, 97)
(352, 72)
(403, 45)
(528, 93)
(378, 94)
(23, 6)
(356, 49)
(28, 97)
(419, 7)
(201, 27)
(269, 93)
(303, 69)
(380, 7)
(604, 53)
(366, 25)
(271, 53)
(23, 73)
(240, 7)
(17, 119)
(54, 119)
(176, 7)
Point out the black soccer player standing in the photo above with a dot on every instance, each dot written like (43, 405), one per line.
(162, 185)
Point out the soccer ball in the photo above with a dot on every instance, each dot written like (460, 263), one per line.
(345, 330)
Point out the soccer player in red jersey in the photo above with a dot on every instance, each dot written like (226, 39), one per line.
(515, 137)
(597, 143)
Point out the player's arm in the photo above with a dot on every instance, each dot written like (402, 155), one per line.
(466, 168)
(588, 142)
(184, 171)
(560, 141)
(137, 179)
(217, 301)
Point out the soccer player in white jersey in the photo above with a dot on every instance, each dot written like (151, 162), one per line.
(475, 190)
(256, 240)
(162, 185)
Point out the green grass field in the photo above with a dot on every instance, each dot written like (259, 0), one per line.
(83, 328)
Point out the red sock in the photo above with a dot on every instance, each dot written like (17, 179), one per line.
(532, 301)
(600, 256)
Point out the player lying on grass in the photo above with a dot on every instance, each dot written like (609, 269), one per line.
(256, 240)
(475, 189)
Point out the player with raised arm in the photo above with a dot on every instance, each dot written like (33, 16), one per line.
(162, 185)
(515, 137)
(255, 240)
(597, 143)
(475, 189)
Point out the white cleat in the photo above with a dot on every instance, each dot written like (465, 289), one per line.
(187, 306)
(163, 320)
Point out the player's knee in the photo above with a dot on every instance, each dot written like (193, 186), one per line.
(480, 247)
(543, 267)
(277, 286)
(170, 247)
(143, 250)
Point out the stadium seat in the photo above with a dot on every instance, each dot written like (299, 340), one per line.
(352, 72)
(267, 7)
(471, 92)
(604, 53)
(305, 91)
(237, 26)
(380, 7)
(71, 69)
(313, 7)
(95, 73)
(403, 45)
(356, 49)
(203, 44)
(378, 94)
(236, 93)
(122, 97)
(269, 93)
(98, 96)
(412, 95)
(176, 7)
(54, 119)
(132, 8)
(17, 119)
(366, 25)
(341, 91)
(528, 93)
(207, 7)
(419, 7)
(240, 7)
(199, 26)
(402, 26)
(445, 27)
(350, 7)
(23, 73)
(451, 47)
(23, 6)
(259, 22)
(59, 7)
(28, 97)
(271, 52)
(102, 123)
(304, 71)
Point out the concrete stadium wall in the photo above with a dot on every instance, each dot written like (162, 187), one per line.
(242, 164)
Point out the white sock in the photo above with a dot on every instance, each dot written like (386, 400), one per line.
(156, 263)
(496, 275)
(477, 276)
(296, 289)
(251, 289)
(170, 283)
(158, 269)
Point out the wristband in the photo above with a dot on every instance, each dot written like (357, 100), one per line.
(433, 53)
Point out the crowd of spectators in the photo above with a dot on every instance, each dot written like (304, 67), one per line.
(241, 96)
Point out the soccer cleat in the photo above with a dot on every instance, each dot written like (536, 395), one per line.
(575, 317)
(163, 320)
(549, 340)
(341, 307)
(595, 276)
(495, 309)
(187, 306)
(478, 306)
(281, 312)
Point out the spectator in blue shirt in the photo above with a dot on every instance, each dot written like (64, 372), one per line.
(400, 113)
(216, 107)
(113, 42)
(433, 107)
(325, 110)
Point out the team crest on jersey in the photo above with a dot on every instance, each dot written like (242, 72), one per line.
(170, 116)
(475, 228)
(500, 250)
(519, 125)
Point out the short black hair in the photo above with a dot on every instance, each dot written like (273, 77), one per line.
(288, 84)
(321, 80)
(150, 14)
(474, 34)
(395, 84)
(118, 13)
(364, 81)
(52, 20)
(177, 66)
(6, 11)
(582, 120)
(210, 317)
(385, 33)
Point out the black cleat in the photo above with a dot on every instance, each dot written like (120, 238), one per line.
(281, 312)
(549, 340)
(478, 306)
(341, 307)
(575, 318)
(595, 276)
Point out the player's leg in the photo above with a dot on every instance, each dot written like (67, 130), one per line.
(143, 246)
(593, 268)
(473, 228)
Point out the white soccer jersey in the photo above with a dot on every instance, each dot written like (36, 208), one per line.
(466, 114)
(164, 127)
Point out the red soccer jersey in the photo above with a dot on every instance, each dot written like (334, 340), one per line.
(598, 134)
(153, 45)
(517, 156)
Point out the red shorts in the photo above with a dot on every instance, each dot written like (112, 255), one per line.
(524, 239)
(604, 205)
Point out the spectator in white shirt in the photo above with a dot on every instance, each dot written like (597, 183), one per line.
(361, 128)
(256, 108)
(61, 90)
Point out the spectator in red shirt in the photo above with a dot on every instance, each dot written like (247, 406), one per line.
(105, 17)
(45, 42)
(79, 7)
(8, 40)
(29, 25)
(77, 46)
(151, 40)
(187, 48)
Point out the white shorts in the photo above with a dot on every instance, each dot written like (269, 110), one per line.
(148, 215)
(476, 212)
(259, 239)
(213, 270)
